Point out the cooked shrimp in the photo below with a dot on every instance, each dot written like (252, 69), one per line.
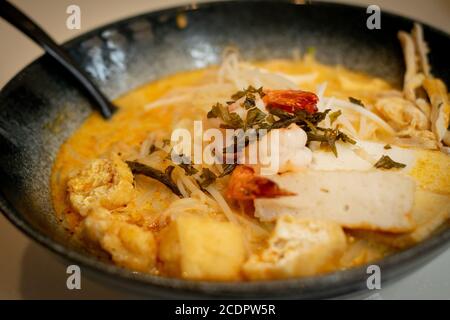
(291, 100)
(293, 155)
(244, 184)
(292, 151)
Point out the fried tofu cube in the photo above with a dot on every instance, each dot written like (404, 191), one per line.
(195, 247)
(297, 247)
(129, 245)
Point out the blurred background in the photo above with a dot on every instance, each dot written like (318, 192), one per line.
(28, 271)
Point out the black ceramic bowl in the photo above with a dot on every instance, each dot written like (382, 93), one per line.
(41, 107)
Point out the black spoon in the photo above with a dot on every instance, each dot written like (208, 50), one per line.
(19, 20)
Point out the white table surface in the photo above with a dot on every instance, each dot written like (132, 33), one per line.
(28, 271)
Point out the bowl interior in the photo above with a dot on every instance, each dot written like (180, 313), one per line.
(41, 107)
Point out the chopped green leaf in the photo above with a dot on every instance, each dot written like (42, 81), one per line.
(250, 90)
(356, 101)
(254, 116)
(278, 119)
(334, 115)
(188, 169)
(231, 119)
(302, 118)
(270, 119)
(249, 101)
(227, 169)
(207, 177)
(187, 165)
(238, 95)
(215, 112)
(386, 162)
(163, 177)
(328, 137)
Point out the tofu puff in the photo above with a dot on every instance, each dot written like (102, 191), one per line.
(202, 248)
(298, 247)
(96, 192)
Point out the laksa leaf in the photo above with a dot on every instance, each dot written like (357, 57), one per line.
(254, 117)
(356, 101)
(249, 101)
(231, 120)
(227, 169)
(250, 90)
(334, 115)
(207, 177)
(386, 162)
(328, 138)
(187, 165)
(163, 177)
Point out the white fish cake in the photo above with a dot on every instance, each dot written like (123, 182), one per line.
(430, 211)
(371, 200)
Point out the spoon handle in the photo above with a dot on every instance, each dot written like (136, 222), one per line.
(19, 20)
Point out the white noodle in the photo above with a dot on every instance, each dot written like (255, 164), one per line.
(222, 204)
(363, 112)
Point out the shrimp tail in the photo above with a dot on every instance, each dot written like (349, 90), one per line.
(244, 184)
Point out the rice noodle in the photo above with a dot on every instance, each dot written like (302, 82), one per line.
(223, 204)
(337, 103)
(320, 91)
(180, 186)
(145, 147)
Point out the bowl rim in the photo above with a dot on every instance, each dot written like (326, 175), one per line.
(328, 285)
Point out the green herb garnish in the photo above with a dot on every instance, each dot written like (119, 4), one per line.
(187, 165)
(254, 117)
(328, 138)
(277, 119)
(207, 177)
(303, 119)
(387, 147)
(231, 119)
(356, 101)
(309, 123)
(227, 169)
(386, 162)
(188, 169)
(163, 177)
(250, 90)
(334, 115)
(249, 101)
